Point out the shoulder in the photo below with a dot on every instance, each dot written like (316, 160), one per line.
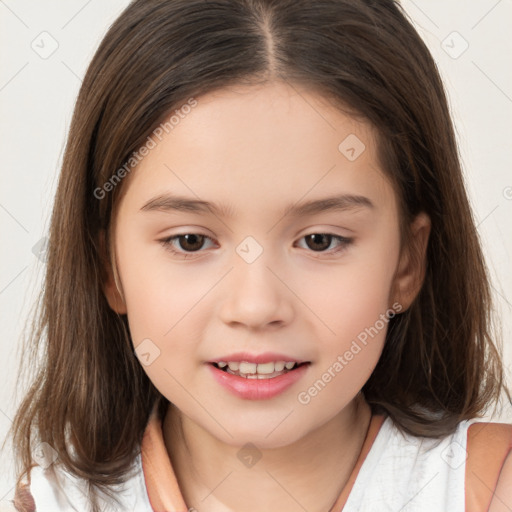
(502, 499)
(489, 467)
(54, 489)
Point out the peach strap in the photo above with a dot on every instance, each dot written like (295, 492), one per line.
(163, 490)
(488, 446)
(373, 429)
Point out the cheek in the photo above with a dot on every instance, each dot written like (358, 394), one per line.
(162, 301)
(352, 296)
(353, 304)
(161, 304)
(158, 295)
(355, 315)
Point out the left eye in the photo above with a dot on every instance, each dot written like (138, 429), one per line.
(190, 243)
(324, 240)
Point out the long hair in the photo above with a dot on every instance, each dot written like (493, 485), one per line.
(89, 398)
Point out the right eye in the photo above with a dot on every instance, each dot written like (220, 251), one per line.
(189, 243)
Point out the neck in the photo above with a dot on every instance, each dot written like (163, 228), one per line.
(308, 475)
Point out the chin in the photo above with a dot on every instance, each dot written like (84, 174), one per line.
(263, 434)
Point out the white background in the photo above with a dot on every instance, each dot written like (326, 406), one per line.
(37, 97)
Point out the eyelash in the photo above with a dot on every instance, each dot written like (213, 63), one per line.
(167, 244)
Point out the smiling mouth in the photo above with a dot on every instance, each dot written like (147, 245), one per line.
(258, 371)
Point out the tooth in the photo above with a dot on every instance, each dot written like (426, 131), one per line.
(265, 368)
(247, 367)
(279, 366)
(255, 376)
(289, 366)
(222, 364)
(233, 366)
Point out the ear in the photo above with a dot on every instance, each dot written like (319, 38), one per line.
(411, 270)
(112, 293)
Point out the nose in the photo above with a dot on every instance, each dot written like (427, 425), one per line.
(256, 296)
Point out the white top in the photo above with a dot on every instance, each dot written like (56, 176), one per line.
(400, 473)
(412, 474)
(58, 491)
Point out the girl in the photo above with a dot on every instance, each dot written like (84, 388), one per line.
(264, 287)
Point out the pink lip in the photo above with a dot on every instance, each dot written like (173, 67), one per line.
(258, 389)
(266, 357)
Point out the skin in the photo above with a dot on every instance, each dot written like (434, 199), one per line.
(259, 149)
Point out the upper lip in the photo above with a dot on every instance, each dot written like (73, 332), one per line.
(265, 357)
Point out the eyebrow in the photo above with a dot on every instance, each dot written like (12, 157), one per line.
(343, 202)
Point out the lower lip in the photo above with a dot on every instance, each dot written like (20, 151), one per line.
(257, 389)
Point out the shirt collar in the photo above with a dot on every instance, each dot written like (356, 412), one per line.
(162, 487)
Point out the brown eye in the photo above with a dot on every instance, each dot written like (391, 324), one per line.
(318, 241)
(190, 242)
(185, 245)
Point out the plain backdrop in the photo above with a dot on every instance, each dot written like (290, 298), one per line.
(46, 47)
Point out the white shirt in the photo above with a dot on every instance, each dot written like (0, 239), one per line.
(401, 473)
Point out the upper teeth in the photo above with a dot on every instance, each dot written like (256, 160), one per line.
(262, 368)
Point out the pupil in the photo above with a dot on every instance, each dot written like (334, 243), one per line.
(316, 238)
(191, 240)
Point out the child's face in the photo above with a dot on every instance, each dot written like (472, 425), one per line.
(259, 284)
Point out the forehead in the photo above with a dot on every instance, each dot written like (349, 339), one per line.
(251, 147)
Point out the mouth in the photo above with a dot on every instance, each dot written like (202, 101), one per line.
(258, 381)
(259, 371)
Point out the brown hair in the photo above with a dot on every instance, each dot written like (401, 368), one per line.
(439, 365)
